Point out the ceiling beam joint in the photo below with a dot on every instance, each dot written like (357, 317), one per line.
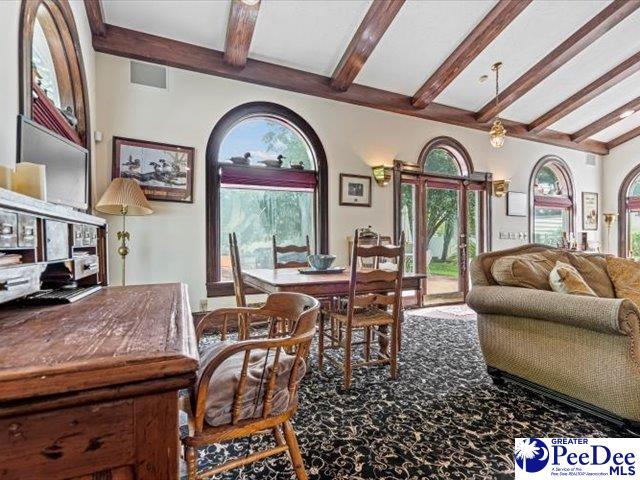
(242, 22)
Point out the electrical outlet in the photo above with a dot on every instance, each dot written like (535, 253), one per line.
(204, 305)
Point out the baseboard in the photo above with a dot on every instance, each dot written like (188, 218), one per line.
(619, 422)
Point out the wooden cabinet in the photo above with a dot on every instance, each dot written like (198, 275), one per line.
(90, 390)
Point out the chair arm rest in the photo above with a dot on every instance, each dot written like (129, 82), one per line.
(608, 315)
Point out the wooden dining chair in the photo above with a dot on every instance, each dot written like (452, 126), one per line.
(367, 311)
(250, 387)
(289, 249)
(240, 296)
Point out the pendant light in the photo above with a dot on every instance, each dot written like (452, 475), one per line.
(497, 133)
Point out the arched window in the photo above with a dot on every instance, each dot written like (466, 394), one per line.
(445, 156)
(552, 201)
(53, 84)
(266, 175)
(629, 213)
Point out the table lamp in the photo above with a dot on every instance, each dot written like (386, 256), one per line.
(123, 197)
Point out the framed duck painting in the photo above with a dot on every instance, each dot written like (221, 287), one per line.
(164, 171)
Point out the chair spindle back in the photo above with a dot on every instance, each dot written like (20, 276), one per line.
(284, 249)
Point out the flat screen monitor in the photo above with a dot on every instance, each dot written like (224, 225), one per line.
(66, 162)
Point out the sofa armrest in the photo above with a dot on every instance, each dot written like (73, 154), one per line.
(608, 315)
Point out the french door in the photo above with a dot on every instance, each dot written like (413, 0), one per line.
(444, 222)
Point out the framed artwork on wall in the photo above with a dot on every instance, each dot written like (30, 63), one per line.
(516, 204)
(164, 171)
(589, 211)
(355, 190)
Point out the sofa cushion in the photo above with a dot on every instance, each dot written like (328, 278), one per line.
(593, 269)
(224, 382)
(530, 270)
(625, 275)
(564, 278)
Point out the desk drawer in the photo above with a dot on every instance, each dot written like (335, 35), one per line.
(8, 229)
(90, 236)
(27, 233)
(67, 443)
(57, 238)
(16, 282)
(78, 235)
(85, 266)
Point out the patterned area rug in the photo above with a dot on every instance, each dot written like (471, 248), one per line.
(442, 419)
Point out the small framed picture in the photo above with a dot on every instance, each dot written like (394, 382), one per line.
(516, 204)
(355, 190)
(589, 211)
(164, 171)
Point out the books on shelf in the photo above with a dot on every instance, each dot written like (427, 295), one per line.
(10, 259)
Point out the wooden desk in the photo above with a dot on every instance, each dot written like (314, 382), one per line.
(92, 386)
(319, 286)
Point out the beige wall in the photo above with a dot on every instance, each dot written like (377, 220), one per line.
(170, 245)
(616, 166)
(9, 89)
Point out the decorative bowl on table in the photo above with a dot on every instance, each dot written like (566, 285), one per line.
(320, 261)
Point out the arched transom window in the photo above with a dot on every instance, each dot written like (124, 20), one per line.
(553, 204)
(267, 177)
(629, 213)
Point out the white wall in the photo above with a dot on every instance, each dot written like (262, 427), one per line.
(9, 86)
(615, 167)
(170, 245)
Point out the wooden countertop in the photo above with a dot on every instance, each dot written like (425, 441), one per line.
(116, 336)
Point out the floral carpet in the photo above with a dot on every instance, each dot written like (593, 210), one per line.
(442, 419)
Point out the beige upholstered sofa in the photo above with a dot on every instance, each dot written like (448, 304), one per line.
(581, 350)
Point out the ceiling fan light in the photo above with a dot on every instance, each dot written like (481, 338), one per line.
(497, 134)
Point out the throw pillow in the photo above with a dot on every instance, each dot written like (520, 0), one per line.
(564, 278)
(593, 268)
(530, 270)
(625, 275)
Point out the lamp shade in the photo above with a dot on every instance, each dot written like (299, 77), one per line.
(124, 192)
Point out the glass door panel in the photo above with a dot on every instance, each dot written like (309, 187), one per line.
(474, 219)
(408, 224)
(443, 242)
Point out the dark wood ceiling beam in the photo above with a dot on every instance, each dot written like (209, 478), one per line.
(604, 21)
(242, 22)
(625, 137)
(606, 121)
(95, 17)
(142, 46)
(614, 76)
(373, 26)
(482, 35)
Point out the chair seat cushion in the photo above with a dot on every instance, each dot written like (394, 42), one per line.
(367, 317)
(224, 382)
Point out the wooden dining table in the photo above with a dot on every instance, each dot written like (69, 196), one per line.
(319, 285)
(325, 285)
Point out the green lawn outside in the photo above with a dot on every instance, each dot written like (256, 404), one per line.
(447, 269)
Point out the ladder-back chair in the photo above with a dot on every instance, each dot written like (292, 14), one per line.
(279, 250)
(250, 387)
(367, 310)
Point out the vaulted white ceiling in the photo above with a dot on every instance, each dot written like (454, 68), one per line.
(312, 35)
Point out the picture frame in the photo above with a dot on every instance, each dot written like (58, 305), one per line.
(516, 204)
(355, 190)
(163, 171)
(590, 211)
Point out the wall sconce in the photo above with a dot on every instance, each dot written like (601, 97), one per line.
(382, 175)
(500, 188)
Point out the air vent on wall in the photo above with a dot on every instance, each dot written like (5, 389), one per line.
(149, 75)
(591, 159)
